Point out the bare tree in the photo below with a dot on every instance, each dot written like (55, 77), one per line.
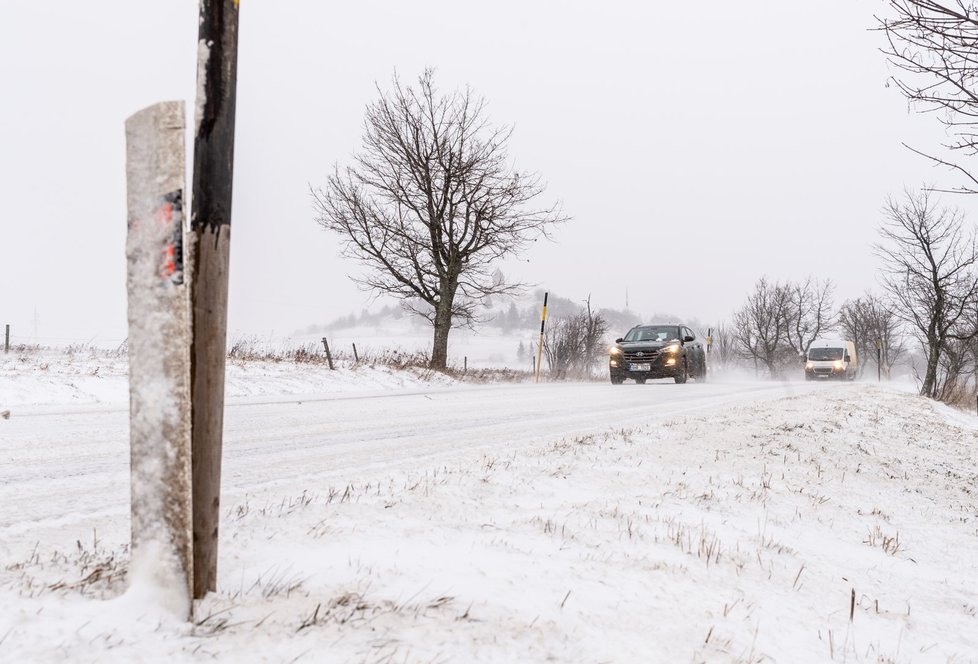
(573, 343)
(932, 43)
(723, 350)
(866, 320)
(431, 203)
(808, 313)
(595, 329)
(760, 326)
(929, 272)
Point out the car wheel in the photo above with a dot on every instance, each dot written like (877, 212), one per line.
(640, 381)
(617, 380)
(682, 373)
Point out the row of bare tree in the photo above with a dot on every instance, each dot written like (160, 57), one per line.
(930, 294)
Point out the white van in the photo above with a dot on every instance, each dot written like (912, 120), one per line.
(831, 358)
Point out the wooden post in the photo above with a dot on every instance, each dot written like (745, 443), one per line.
(329, 356)
(159, 353)
(465, 365)
(543, 321)
(356, 356)
(210, 240)
(879, 362)
(6, 340)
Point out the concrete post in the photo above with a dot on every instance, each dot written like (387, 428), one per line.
(159, 354)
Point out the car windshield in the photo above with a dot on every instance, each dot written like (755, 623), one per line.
(653, 333)
(824, 354)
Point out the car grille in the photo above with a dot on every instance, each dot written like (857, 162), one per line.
(639, 355)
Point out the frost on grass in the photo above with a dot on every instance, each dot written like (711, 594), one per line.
(829, 527)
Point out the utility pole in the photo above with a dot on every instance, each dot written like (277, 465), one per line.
(209, 249)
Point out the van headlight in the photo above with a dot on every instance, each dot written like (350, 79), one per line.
(837, 364)
(809, 365)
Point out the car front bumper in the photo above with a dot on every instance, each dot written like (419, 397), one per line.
(663, 365)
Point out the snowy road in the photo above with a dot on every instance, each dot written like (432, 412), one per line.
(65, 471)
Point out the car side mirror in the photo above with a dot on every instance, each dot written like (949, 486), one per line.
(688, 338)
(619, 340)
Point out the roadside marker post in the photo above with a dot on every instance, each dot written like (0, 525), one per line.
(879, 364)
(356, 355)
(6, 340)
(159, 352)
(543, 322)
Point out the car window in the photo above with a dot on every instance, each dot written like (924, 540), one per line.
(653, 333)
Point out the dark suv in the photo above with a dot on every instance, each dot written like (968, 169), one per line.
(657, 351)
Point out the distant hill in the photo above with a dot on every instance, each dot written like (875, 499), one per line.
(509, 316)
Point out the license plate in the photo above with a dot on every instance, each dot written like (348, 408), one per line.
(640, 367)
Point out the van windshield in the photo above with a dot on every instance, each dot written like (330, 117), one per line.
(824, 354)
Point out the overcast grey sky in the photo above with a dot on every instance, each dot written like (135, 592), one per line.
(697, 146)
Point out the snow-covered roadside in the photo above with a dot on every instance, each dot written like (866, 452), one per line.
(58, 377)
(735, 536)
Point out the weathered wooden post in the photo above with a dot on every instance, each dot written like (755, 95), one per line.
(209, 257)
(6, 340)
(329, 356)
(356, 356)
(159, 354)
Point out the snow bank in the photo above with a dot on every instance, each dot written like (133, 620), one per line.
(837, 525)
(59, 377)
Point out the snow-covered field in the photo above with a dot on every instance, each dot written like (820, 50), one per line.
(379, 518)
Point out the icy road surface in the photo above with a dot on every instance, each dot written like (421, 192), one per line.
(74, 461)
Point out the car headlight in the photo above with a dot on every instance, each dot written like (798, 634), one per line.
(837, 364)
(673, 348)
(615, 350)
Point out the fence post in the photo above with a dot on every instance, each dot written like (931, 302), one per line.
(159, 351)
(6, 340)
(356, 356)
(329, 356)
(465, 365)
(210, 233)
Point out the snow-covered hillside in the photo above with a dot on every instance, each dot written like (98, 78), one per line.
(574, 523)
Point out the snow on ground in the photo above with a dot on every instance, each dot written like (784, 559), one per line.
(59, 377)
(744, 533)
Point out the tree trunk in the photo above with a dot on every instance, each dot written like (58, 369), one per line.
(443, 325)
(929, 387)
